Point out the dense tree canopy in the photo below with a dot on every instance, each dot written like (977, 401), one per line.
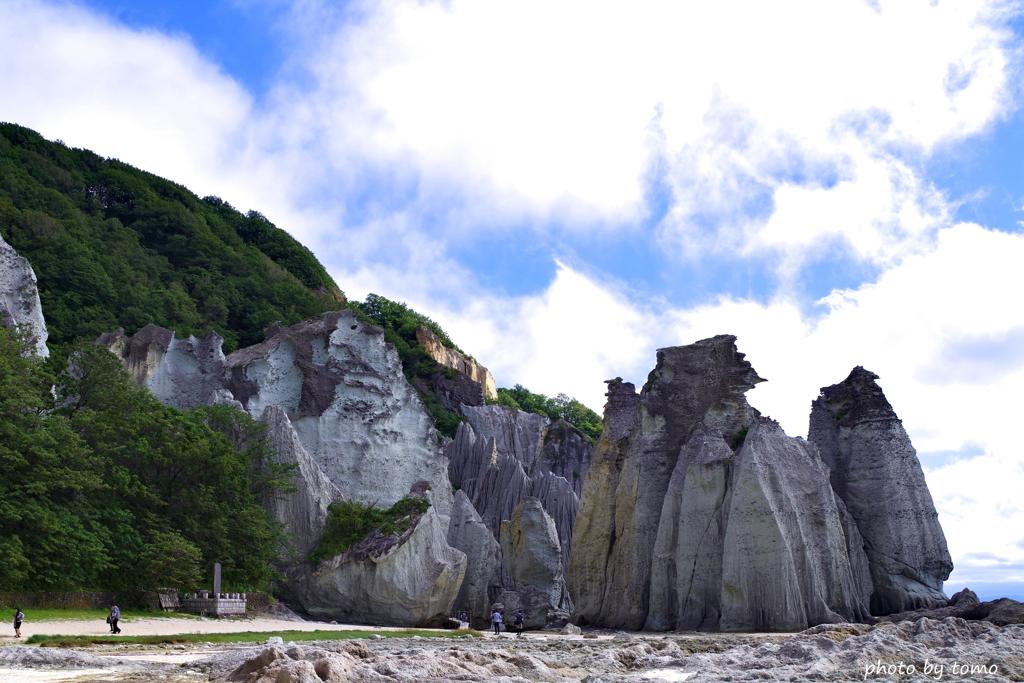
(104, 478)
(113, 246)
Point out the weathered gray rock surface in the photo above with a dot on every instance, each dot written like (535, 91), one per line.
(833, 652)
(19, 298)
(412, 579)
(612, 553)
(468, 533)
(501, 457)
(302, 511)
(876, 472)
(700, 514)
(532, 565)
(343, 389)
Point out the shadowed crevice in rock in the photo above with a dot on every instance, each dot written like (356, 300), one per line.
(502, 457)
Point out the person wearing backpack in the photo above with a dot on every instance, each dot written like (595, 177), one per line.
(19, 617)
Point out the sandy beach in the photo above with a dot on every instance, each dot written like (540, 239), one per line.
(168, 626)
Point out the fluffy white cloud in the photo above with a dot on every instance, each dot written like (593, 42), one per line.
(770, 126)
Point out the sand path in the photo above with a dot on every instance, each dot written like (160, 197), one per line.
(171, 626)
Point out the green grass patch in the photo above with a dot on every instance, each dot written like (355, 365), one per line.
(349, 522)
(60, 613)
(242, 637)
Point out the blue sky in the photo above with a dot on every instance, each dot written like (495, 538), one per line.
(568, 186)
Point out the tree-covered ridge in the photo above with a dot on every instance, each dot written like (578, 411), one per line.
(104, 487)
(561, 407)
(113, 246)
(398, 317)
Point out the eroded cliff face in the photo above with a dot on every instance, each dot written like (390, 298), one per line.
(450, 358)
(698, 513)
(875, 470)
(183, 373)
(343, 389)
(501, 457)
(19, 298)
(613, 553)
(337, 406)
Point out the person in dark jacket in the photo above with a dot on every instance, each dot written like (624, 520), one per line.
(518, 623)
(115, 616)
(19, 617)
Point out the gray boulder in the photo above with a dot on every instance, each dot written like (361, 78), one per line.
(19, 298)
(875, 470)
(532, 564)
(412, 579)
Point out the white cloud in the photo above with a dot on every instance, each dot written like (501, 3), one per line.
(807, 115)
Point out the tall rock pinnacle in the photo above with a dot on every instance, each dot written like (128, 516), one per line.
(876, 472)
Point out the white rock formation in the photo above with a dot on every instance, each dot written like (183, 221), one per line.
(337, 406)
(19, 298)
(303, 510)
(343, 389)
(183, 373)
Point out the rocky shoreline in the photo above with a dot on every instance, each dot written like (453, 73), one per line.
(926, 649)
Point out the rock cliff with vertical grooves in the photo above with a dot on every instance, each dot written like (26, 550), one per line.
(19, 298)
(875, 471)
(501, 457)
(337, 406)
(698, 513)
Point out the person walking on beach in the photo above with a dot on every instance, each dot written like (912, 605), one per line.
(518, 622)
(19, 617)
(113, 618)
(496, 622)
(463, 619)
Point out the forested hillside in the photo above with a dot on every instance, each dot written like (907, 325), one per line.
(113, 246)
(104, 486)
